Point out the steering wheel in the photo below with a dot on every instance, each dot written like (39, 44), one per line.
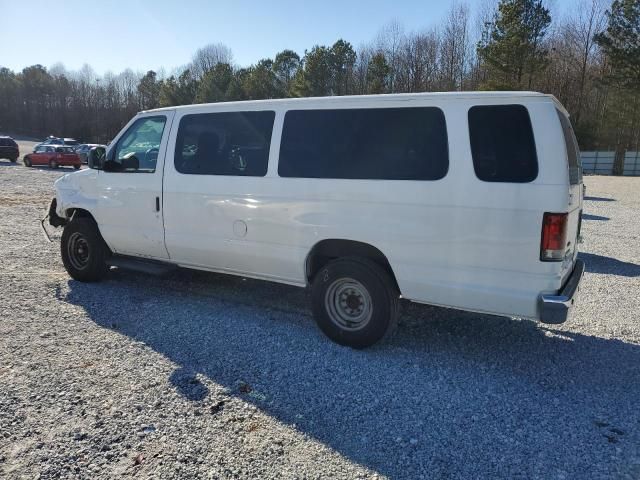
(150, 152)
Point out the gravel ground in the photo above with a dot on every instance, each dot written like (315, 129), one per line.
(204, 375)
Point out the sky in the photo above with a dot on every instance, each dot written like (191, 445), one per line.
(113, 35)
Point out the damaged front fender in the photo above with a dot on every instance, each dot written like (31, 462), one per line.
(54, 219)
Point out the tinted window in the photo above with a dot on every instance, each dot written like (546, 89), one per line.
(137, 150)
(502, 144)
(39, 149)
(226, 143)
(380, 143)
(573, 152)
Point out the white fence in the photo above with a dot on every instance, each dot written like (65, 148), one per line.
(598, 163)
(631, 163)
(601, 163)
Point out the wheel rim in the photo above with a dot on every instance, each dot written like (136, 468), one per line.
(348, 304)
(78, 251)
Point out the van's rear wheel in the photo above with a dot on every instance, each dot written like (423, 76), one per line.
(355, 302)
(84, 253)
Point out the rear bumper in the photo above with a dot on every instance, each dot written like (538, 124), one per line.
(556, 308)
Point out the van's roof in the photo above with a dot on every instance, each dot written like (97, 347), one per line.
(388, 96)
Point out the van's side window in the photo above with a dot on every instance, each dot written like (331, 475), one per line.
(226, 143)
(137, 150)
(376, 143)
(502, 144)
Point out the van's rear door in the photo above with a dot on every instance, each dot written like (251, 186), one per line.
(575, 189)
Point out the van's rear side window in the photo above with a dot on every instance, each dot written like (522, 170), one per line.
(573, 152)
(502, 143)
(373, 143)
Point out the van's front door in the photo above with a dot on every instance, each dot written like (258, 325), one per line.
(130, 201)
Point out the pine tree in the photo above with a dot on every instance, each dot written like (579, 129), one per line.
(620, 42)
(512, 44)
(378, 74)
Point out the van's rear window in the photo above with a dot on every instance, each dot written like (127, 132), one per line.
(502, 143)
(573, 152)
(374, 144)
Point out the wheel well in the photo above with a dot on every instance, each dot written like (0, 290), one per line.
(326, 250)
(79, 213)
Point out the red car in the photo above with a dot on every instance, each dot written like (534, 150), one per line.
(53, 155)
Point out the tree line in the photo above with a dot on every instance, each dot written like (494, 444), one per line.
(590, 60)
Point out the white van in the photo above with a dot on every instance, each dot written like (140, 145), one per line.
(465, 200)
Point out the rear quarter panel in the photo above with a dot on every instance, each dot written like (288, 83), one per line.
(457, 242)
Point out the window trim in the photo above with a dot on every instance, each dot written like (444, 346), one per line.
(375, 107)
(569, 136)
(533, 136)
(268, 145)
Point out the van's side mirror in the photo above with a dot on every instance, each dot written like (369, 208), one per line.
(96, 157)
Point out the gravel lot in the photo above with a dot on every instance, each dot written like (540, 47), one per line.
(211, 376)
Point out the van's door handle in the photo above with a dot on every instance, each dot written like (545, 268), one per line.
(157, 204)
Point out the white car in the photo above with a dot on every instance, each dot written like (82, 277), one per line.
(466, 200)
(84, 149)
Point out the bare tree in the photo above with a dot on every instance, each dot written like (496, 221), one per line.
(209, 56)
(361, 68)
(389, 41)
(485, 14)
(589, 19)
(419, 62)
(455, 47)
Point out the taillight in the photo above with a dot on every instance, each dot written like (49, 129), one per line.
(554, 237)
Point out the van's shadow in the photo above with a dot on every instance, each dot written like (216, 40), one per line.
(587, 216)
(450, 394)
(599, 199)
(609, 265)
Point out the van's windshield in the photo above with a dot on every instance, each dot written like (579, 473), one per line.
(573, 151)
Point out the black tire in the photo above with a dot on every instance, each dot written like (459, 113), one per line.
(344, 287)
(27, 162)
(84, 252)
(76, 167)
(53, 164)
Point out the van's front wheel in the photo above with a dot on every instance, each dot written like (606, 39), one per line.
(84, 253)
(355, 302)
